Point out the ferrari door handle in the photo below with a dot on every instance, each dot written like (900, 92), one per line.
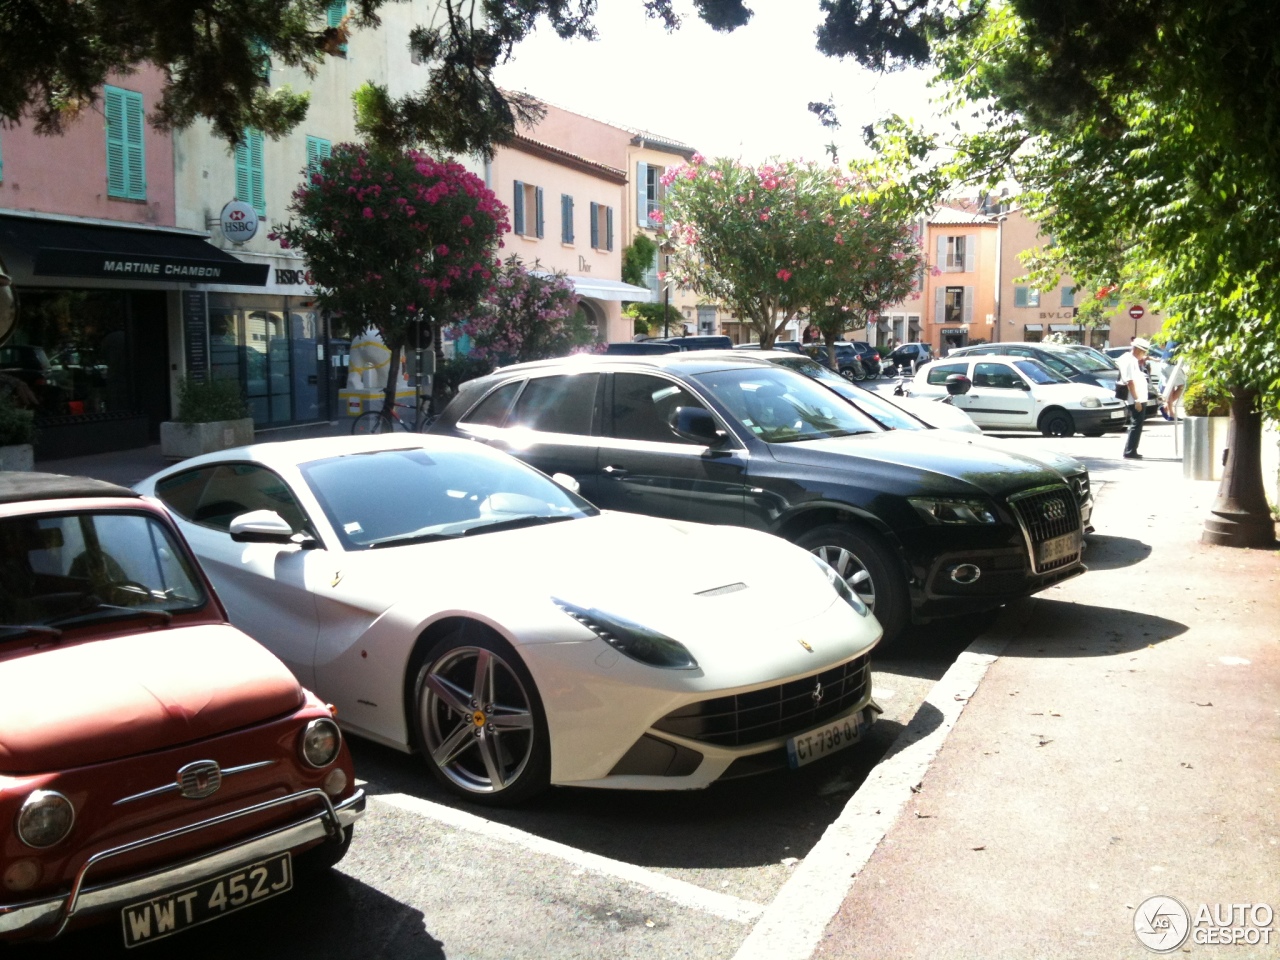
(616, 472)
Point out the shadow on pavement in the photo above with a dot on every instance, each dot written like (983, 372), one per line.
(1112, 553)
(331, 916)
(1061, 629)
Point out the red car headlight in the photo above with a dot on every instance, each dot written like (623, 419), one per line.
(45, 819)
(321, 741)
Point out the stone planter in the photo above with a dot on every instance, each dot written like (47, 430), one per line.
(178, 441)
(19, 456)
(1204, 441)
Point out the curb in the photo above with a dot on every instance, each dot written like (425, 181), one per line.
(793, 924)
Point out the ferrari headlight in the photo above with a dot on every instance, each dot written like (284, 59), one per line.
(1090, 402)
(321, 741)
(631, 639)
(45, 819)
(935, 510)
(841, 586)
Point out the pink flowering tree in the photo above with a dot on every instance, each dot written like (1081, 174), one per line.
(528, 314)
(394, 238)
(778, 239)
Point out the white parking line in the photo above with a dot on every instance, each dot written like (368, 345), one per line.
(793, 924)
(678, 891)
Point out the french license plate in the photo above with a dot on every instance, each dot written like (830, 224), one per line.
(172, 913)
(825, 740)
(1059, 548)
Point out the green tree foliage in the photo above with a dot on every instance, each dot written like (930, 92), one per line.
(773, 240)
(637, 258)
(528, 314)
(393, 238)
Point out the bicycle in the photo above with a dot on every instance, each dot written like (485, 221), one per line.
(376, 421)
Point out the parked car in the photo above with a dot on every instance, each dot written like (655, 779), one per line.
(938, 420)
(916, 530)
(1074, 363)
(639, 348)
(788, 346)
(611, 650)
(905, 358)
(697, 342)
(158, 767)
(870, 357)
(1019, 393)
(848, 362)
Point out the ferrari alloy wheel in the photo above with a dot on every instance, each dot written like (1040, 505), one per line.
(480, 720)
(867, 566)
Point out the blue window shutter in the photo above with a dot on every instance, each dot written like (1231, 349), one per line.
(243, 188)
(608, 228)
(595, 226)
(117, 163)
(318, 150)
(136, 164)
(337, 10)
(517, 208)
(642, 194)
(537, 203)
(256, 180)
(1019, 296)
(566, 218)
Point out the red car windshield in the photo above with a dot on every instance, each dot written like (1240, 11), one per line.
(70, 569)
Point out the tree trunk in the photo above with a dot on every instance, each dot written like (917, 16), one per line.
(395, 344)
(830, 339)
(1241, 517)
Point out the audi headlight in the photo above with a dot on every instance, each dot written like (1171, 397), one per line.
(45, 819)
(841, 586)
(1090, 402)
(631, 639)
(321, 741)
(934, 510)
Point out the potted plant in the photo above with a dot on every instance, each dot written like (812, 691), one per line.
(1207, 407)
(212, 415)
(17, 435)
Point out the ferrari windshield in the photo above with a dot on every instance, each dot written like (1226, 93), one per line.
(781, 406)
(396, 497)
(69, 569)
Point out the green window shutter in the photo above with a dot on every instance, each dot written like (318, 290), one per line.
(135, 156)
(337, 10)
(318, 150)
(1020, 296)
(517, 208)
(243, 188)
(117, 173)
(259, 52)
(537, 194)
(250, 186)
(608, 228)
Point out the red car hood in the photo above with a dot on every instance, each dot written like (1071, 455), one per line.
(104, 699)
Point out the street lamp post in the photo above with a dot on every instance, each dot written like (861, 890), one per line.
(999, 255)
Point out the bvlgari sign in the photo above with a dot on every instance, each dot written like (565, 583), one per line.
(239, 221)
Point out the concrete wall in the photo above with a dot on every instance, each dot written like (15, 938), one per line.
(68, 174)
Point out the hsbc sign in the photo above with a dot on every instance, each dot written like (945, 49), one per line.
(239, 221)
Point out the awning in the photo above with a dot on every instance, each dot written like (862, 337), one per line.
(58, 248)
(1034, 327)
(598, 289)
(1063, 327)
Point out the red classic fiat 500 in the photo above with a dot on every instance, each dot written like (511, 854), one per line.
(157, 766)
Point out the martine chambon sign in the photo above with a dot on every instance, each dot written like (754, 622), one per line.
(114, 266)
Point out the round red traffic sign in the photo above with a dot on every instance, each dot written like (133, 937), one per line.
(1136, 312)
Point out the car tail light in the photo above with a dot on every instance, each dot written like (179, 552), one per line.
(45, 819)
(321, 741)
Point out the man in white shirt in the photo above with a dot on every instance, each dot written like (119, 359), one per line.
(1133, 375)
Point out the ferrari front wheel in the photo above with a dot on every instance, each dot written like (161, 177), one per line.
(480, 720)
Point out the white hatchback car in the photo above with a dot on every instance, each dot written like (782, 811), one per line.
(1018, 393)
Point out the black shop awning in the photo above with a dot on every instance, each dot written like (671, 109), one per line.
(61, 249)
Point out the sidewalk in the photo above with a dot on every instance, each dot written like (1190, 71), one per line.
(1126, 744)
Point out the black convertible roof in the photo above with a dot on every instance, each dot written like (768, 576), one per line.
(17, 486)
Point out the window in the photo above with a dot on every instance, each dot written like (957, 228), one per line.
(260, 52)
(995, 375)
(648, 192)
(492, 410)
(1068, 296)
(938, 373)
(644, 406)
(1026, 297)
(956, 254)
(126, 164)
(318, 151)
(526, 210)
(566, 218)
(334, 15)
(249, 180)
(214, 496)
(601, 227)
(1113, 301)
(560, 404)
(953, 305)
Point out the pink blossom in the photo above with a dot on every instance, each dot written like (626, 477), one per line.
(765, 215)
(697, 158)
(368, 213)
(784, 275)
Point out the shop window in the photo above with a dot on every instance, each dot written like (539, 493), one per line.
(601, 227)
(126, 160)
(526, 210)
(250, 185)
(318, 151)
